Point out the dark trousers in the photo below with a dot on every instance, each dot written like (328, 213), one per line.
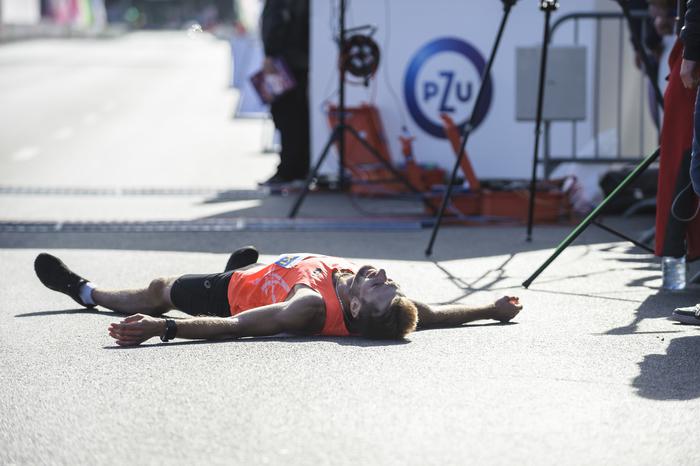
(290, 114)
(695, 160)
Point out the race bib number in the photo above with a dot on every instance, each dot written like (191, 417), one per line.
(288, 261)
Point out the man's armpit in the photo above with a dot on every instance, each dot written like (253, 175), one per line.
(305, 312)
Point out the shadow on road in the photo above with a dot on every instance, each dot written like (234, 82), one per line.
(343, 341)
(496, 275)
(657, 306)
(671, 376)
(81, 310)
(481, 324)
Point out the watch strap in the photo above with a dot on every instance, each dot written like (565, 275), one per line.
(170, 330)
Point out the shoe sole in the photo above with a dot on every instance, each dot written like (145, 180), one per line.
(245, 256)
(47, 261)
(685, 319)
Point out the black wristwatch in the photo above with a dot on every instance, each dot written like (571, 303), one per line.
(170, 330)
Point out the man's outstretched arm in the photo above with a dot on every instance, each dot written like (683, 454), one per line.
(294, 316)
(451, 315)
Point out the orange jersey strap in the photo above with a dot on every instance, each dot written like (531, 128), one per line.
(253, 288)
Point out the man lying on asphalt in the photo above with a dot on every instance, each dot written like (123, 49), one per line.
(302, 294)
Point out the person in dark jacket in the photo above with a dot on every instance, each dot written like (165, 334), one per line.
(285, 35)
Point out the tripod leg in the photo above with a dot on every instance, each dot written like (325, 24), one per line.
(507, 5)
(538, 124)
(593, 215)
(313, 173)
(389, 166)
(625, 237)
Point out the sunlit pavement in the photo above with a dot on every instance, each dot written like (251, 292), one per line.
(139, 129)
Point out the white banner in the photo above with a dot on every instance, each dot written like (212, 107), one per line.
(432, 57)
(20, 11)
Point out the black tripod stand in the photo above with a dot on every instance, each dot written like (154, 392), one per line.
(469, 126)
(548, 6)
(592, 217)
(338, 134)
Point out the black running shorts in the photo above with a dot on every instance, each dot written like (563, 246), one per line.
(202, 294)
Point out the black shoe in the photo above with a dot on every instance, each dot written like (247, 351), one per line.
(242, 257)
(56, 275)
(275, 181)
(687, 315)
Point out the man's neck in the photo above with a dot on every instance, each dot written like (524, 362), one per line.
(342, 284)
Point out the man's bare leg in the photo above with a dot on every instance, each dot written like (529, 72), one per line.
(153, 300)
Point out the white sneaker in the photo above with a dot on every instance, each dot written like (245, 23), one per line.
(687, 315)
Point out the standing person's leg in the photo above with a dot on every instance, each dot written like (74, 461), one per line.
(691, 314)
(695, 160)
(300, 158)
(282, 111)
(682, 208)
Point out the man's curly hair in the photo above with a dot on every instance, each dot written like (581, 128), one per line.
(397, 321)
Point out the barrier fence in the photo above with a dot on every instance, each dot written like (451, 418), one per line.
(622, 117)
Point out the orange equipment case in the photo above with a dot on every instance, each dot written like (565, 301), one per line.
(552, 204)
(369, 175)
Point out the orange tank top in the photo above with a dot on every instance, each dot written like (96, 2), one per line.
(272, 284)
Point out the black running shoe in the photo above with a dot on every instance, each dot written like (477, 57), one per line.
(275, 180)
(242, 257)
(687, 315)
(56, 275)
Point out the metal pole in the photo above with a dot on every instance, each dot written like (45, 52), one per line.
(623, 236)
(592, 216)
(341, 99)
(507, 5)
(547, 6)
(312, 173)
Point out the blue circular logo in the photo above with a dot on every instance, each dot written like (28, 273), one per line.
(444, 77)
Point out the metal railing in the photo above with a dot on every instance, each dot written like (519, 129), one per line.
(605, 25)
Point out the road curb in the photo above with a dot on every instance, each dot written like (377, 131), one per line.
(21, 32)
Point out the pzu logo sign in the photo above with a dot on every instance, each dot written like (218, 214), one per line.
(444, 77)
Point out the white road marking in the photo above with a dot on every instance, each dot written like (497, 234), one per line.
(63, 133)
(25, 153)
(90, 118)
(108, 106)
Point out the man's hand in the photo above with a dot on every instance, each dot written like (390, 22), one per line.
(136, 329)
(689, 73)
(664, 25)
(506, 308)
(269, 65)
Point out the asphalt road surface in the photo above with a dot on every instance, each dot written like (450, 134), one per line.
(138, 129)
